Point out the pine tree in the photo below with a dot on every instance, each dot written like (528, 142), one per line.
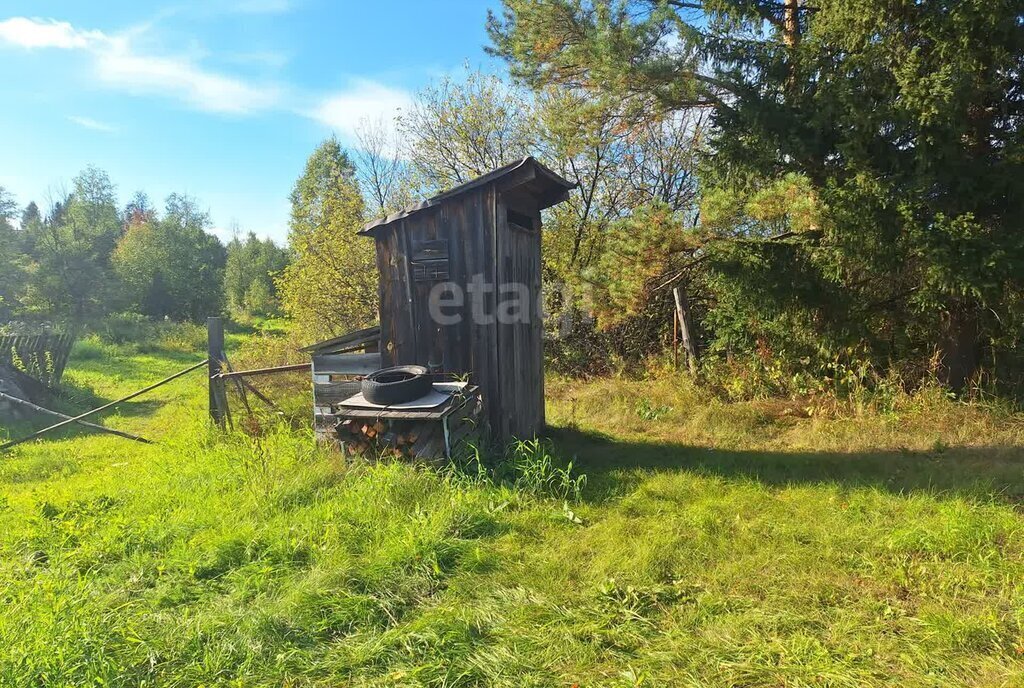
(897, 126)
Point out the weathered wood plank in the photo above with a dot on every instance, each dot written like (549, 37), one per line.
(683, 316)
(430, 249)
(346, 364)
(42, 356)
(485, 251)
(456, 402)
(214, 350)
(263, 371)
(330, 393)
(335, 344)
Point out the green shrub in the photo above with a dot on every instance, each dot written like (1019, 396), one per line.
(185, 337)
(144, 335)
(92, 348)
(123, 328)
(648, 411)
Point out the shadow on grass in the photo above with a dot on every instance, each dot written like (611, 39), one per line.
(615, 467)
(75, 398)
(72, 399)
(136, 366)
(33, 422)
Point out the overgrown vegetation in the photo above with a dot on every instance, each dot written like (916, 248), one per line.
(893, 232)
(86, 261)
(759, 543)
(833, 498)
(719, 147)
(330, 287)
(250, 277)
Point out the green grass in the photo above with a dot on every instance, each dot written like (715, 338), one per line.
(756, 544)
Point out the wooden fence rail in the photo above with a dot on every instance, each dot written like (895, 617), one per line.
(82, 416)
(322, 365)
(64, 416)
(41, 356)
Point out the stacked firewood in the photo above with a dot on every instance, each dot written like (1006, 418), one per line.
(380, 437)
(432, 438)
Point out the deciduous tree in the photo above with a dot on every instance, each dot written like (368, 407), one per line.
(383, 174)
(330, 287)
(252, 265)
(457, 131)
(12, 260)
(72, 276)
(171, 266)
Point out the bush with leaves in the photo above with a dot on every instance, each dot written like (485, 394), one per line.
(901, 118)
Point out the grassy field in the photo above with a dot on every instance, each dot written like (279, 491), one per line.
(756, 544)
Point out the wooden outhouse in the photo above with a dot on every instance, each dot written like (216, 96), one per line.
(460, 288)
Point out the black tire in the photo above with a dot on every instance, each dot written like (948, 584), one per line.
(396, 385)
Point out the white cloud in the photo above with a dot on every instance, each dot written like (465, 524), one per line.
(364, 100)
(119, 65)
(90, 123)
(42, 33)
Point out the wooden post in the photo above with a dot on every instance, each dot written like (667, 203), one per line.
(675, 339)
(683, 314)
(214, 353)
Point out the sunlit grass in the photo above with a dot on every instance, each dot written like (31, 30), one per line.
(758, 544)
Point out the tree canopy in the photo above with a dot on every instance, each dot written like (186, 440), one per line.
(171, 266)
(330, 286)
(249, 274)
(71, 276)
(861, 186)
(86, 258)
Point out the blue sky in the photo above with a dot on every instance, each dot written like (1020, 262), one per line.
(222, 99)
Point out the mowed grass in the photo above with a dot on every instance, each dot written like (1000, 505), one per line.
(714, 544)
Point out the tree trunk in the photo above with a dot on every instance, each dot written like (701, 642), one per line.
(686, 328)
(960, 348)
(791, 23)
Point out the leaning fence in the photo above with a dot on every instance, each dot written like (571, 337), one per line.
(40, 356)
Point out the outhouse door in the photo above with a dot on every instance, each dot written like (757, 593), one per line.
(518, 314)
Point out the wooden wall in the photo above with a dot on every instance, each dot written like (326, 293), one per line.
(506, 361)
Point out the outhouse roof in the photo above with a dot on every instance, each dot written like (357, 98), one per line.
(549, 186)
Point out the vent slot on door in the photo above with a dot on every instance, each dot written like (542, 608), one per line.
(518, 220)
